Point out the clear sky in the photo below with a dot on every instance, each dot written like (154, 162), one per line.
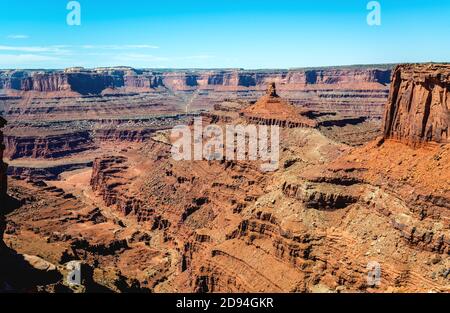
(221, 33)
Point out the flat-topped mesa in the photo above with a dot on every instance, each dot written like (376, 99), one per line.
(271, 109)
(74, 81)
(418, 107)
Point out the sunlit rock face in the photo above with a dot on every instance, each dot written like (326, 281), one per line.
(418, 105)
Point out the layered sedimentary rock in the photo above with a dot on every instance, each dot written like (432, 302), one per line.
(223, 226)
(77, 80)
(418, 108)
(108, 180)
(128, 135)
(46, 82)
(47, 146)
(272, 110)
(290, 79)
(95, 81)
(82, 83)
(403, 178)
(143, 81)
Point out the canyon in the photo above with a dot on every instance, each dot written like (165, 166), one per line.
(364, 178)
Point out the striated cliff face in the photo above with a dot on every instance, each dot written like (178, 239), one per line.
(45, 83)
(47, 146)
(95, 81)
(3, 166)
(291, 79)
(143, 81)
(82, 83)
(128, 135)
(418, 105)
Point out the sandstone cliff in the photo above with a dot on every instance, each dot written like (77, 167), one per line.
(418, 105)
(402, 181)
(47, 146)
(95, 81)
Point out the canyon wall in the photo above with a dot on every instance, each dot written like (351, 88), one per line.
(83, 83)
(3, 166)
(418, 105)
(95, 81)
(128, 135)
(47, 146)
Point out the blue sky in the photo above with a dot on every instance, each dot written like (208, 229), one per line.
(221, 33)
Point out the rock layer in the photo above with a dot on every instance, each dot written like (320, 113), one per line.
(95, 81)
(272, 110)
(419, 103)
(47, 146)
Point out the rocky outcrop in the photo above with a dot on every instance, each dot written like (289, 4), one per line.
(47, 146)
(322, 197)
(418, 108)
(79, 82)
(108, 181)
(143, 81)
(272, 110)
(404, 176)
(128, 135)
(340, 76)
(46, 82)
(45, 173)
